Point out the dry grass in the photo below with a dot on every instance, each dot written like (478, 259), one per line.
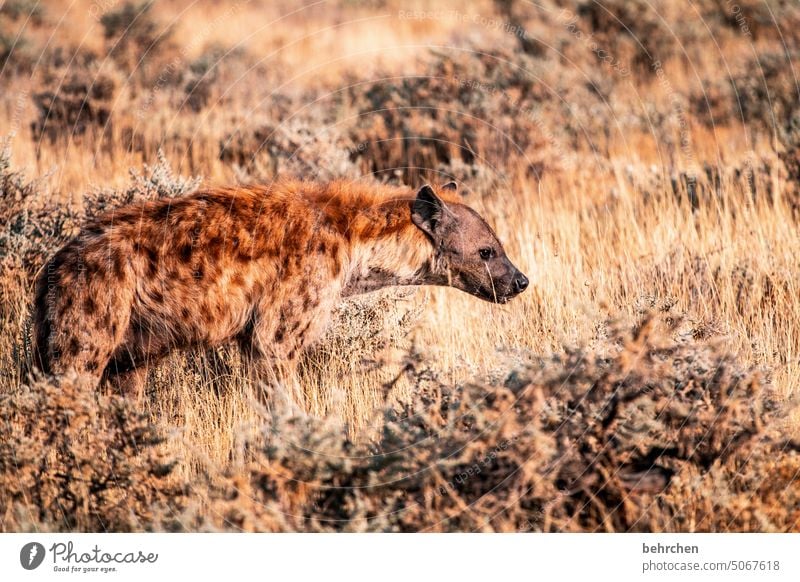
(623, 188)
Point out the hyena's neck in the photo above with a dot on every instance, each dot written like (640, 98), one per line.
(387, 250)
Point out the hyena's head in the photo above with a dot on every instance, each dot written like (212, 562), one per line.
(468, 254)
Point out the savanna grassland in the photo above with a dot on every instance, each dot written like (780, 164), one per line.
(640, 160)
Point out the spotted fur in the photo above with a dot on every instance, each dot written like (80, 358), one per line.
(262, 266)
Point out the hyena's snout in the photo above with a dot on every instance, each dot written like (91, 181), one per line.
(519, 283)
(505, 284)
(514, 283)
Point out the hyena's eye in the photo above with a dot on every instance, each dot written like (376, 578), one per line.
(487, 253)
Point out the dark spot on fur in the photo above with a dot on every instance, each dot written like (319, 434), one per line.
(118, 265)
(215, 248)
(185, 253)
(92, 366)
(74, 347)
(287, 263)
(151, 257)
(89, 306)
(280, 333)
(306, 295)
(93, 230)
(162, 212)
(91, 269)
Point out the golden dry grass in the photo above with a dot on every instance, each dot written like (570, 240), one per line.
(582, 170)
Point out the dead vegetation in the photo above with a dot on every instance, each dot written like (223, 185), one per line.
(642, 166)
(649, 431)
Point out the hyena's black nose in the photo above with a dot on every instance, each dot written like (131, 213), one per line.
(520, 283)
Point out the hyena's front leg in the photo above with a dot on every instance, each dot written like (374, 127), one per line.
(271, 365)
(277, 336)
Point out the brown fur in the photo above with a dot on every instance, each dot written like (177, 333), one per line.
(263, 266)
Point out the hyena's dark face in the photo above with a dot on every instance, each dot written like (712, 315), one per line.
(469, 256)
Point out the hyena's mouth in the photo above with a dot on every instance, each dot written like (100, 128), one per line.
(503, 299)
(492, 296)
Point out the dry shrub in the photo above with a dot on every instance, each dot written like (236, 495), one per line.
(790, 156)
(760, 19)
(652, 413)
(206, 72)
(407, 126)
(23, 9)
(71, 459)
(766, 91)
(360, 325)
(632, 30)
(646, 433)
(709, 185)
(76, 101)
(472, 109)
(17, 17)
(33, 225)
(152, 182)
(133, 34)
(293, 148)
(650, 430)
(17, 51)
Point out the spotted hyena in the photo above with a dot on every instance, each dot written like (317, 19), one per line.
(262, 266)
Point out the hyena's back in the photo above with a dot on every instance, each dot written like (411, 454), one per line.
(162, 275)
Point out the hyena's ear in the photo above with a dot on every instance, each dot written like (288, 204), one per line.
(428, 210)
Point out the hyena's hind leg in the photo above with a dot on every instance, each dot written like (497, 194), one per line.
(81, 310)
(67, 344)
(140, 350)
